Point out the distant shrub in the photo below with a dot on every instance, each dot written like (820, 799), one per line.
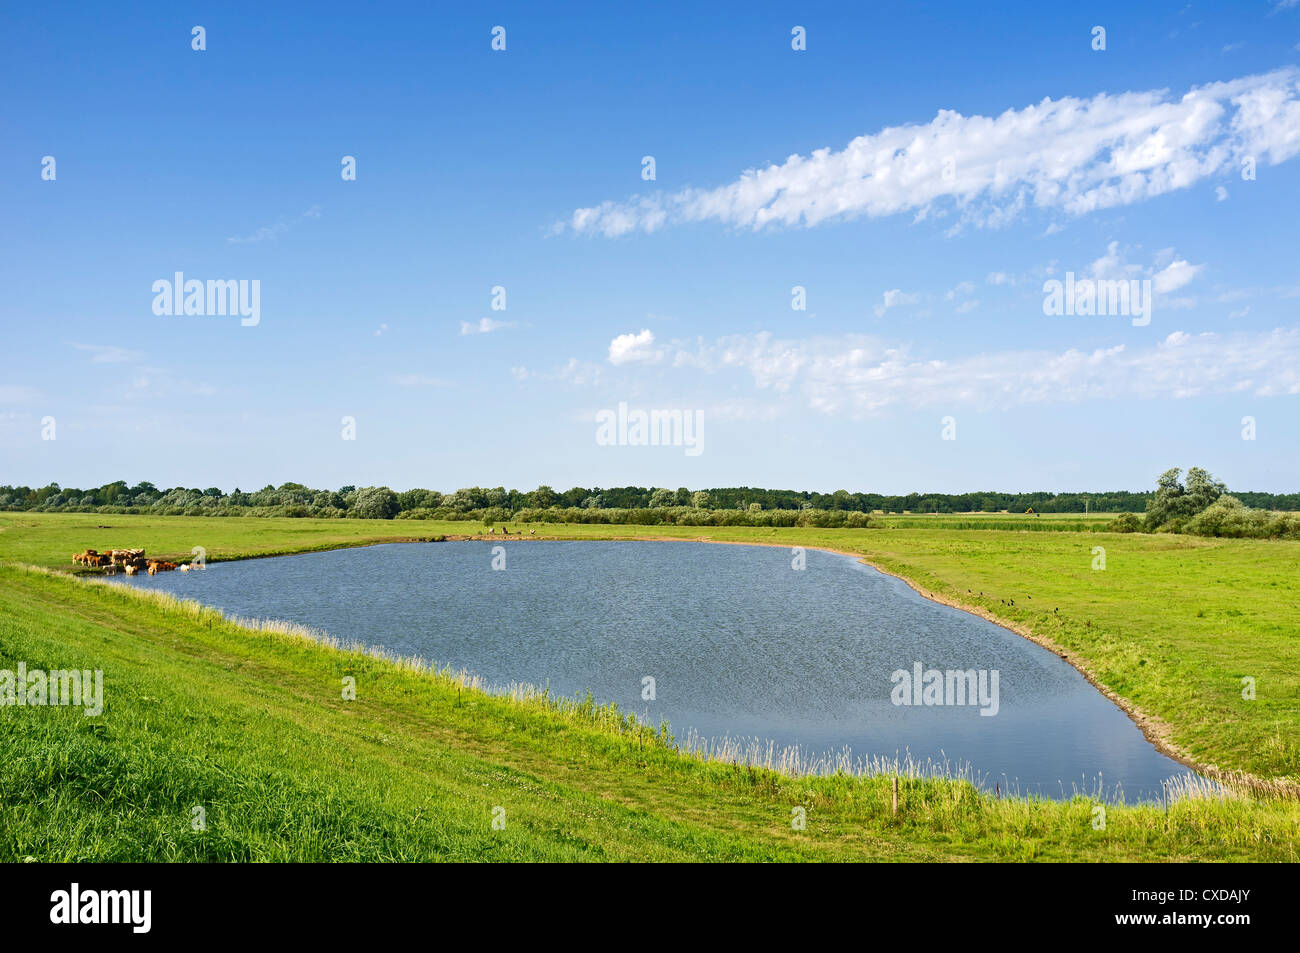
(1228, 516)
(1125, 523)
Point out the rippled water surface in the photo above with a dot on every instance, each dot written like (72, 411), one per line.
(739, 644)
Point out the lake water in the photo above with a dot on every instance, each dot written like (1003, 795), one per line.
(739, 645)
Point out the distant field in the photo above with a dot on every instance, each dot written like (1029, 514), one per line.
(1045, 522)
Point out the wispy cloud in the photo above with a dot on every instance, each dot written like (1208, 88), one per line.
(420, 380)
(110, 354)
(484, 326)
(857, 375)
(1071, 155)
(276, 230)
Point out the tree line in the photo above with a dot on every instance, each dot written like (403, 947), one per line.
(630, 504)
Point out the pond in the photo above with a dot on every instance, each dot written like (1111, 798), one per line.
(835, 658)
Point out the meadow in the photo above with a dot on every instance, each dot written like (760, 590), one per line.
(249, 723)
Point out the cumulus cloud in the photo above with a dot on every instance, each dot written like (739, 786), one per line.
(1174, 275)
(634, 348)
(1070, 155)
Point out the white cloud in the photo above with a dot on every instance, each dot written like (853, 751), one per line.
(1175, 275)
(895, 298)
(1112, 264)
(1072, 155)
(999, 278)
(1167, 272)
(484, 326)
(634, 348)
(857, 375)
(1220, 193)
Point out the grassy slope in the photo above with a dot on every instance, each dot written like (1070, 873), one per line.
(252, 727)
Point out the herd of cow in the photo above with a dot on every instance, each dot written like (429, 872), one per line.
(130, 560)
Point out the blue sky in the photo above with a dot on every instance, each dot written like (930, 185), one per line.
(522, 168)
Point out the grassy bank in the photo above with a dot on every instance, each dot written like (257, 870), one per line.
(252, 728)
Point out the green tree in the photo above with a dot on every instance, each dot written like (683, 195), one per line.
(375, 503)
(1175, 503)
(661, 497)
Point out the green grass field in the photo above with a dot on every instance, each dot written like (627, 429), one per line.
(251, 726)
